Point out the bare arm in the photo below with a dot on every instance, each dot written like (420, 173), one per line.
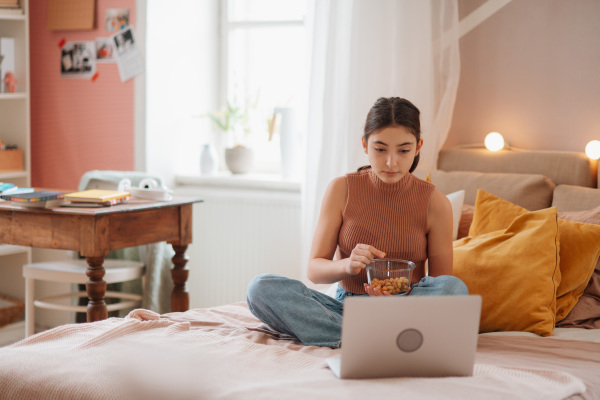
(439, 237)
(321, 267)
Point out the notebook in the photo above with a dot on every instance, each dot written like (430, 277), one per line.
(408, 336)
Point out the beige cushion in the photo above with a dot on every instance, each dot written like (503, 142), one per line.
(575, 198)
(561, 167)
(532, 192)
(456, 201)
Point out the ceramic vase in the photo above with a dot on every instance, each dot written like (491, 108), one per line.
(239, 159)
(209, 162)
(289, 142)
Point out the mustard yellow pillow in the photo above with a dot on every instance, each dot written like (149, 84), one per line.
(579, 246)
(516, 272)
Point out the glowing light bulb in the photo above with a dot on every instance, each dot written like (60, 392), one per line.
(592, 149)
(494, 141)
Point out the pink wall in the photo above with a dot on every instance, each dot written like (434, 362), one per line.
(530, 72)
(76, 125)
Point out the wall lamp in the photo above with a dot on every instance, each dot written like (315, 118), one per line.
(494, 141)
(592, 149)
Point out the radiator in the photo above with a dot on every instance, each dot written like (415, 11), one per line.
(238, 234)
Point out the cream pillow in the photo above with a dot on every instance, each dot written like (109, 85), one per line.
(575, 198)
(579, 246)
(515, 271)
(533, 192)
(456, 200)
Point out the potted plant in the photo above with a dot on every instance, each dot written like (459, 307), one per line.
(234, 120)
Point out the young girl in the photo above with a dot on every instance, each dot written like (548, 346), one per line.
(381, 210)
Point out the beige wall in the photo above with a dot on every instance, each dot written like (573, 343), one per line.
(532, 72)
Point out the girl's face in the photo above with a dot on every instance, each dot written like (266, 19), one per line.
(391, 152)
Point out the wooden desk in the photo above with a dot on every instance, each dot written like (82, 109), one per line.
(93, 232)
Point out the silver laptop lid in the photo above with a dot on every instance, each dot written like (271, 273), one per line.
(409, 336)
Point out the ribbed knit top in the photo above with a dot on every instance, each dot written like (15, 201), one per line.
(392, 217)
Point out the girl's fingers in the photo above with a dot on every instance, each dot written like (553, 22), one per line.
(376, 252)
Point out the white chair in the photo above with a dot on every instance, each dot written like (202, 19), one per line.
(73, 271)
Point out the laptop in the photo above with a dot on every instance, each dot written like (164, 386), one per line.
(408, 336)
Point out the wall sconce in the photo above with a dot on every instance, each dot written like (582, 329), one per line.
(494, 141)
(592, 149)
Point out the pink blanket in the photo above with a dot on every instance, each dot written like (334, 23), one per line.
(225, 353)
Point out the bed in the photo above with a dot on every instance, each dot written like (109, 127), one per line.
(540, 336)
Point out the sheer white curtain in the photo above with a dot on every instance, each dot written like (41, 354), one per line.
(363, 50)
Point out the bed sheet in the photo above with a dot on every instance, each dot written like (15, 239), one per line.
(226, 353)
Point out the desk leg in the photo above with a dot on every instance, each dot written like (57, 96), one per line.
(180, 298)
(96, 289)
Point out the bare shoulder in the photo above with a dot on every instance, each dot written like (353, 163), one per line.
(336, 193)
(338, 185)
(439, 204)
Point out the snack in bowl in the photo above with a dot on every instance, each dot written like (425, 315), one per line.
(390, 275)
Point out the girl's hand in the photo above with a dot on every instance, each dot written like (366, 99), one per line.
(361, 255)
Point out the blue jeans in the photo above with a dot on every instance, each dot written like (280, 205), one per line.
(289, 306)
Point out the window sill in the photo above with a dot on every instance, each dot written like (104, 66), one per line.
(226, 180)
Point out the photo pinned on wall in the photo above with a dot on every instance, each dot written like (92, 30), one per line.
(126, 53)
(116, 19)
(78, 60)
(104, 50)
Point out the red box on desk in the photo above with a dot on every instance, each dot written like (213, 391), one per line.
(11, 160)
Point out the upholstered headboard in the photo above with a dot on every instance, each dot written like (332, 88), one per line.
(563, 168)
(530, 179)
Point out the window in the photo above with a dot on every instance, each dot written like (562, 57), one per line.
(263, 57)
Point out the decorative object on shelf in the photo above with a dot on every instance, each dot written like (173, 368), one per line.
(10, 7)
(289, 141)
(7, 54)
(236, 122)
(10, 82)
(10, 310)
(11, 159)
(209, 162)
(239, 159)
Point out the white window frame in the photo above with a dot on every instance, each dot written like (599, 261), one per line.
(226, 28)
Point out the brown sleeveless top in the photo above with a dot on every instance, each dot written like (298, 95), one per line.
(390, 217)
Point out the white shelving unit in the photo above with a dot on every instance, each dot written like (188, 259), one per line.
(15, 127)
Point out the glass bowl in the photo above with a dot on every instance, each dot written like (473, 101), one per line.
(390, 275)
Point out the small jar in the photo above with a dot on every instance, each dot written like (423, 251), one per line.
(209, 162)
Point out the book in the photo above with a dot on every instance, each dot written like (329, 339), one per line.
(6, 187)
(86, 204)
(39, 204)
(97, 196)
(16, 190)
(36, 196)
